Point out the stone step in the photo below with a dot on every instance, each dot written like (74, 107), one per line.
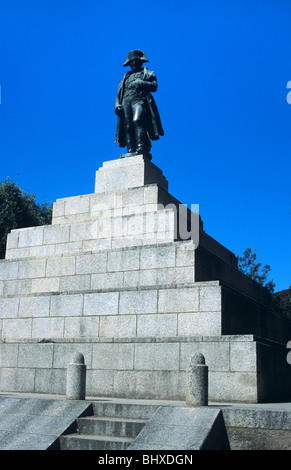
(104, 233)
(114, 426)
(93, 442)
(110, 426)
(148, 260)
(191, 309)
(124, 410)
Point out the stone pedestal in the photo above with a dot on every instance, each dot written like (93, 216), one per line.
(132, 172)
(113, 279)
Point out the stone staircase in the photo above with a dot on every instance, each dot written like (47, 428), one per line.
(113, 426)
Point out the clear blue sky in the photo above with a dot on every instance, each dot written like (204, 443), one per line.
(222, 68)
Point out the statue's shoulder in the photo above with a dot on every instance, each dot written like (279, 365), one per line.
(125, 75)
(122, 81)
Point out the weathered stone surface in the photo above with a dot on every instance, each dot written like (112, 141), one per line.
(36, 424)
(197, 381)
(128, 173)
(103, 303)
(138, 302)
(34, 306)
(76, 377)
(180, 428)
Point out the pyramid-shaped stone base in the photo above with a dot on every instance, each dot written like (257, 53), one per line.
(114, 278)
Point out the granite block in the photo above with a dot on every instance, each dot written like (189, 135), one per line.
(138, 302)
(41, 251)
(19, 380)
(233, 386)
(90, 263)
(128, 173)
(210, 298)
(177, 275)
(142, 278)
(58, 209)
(12, 239)
(157, 325)
(84, 231)
(8, 355)
(31, 268)
(14, 253)
(66, 305)
(113, 356)
(243, 356)
(185, 254)
(53, 234)
(17, 328)
(103, 303)
(35, 356)
(124, 260)
(47, 328)
(75, 283)
(34, 306)
(81, 327)
(31, 236)
(9, 307)
(157, 257)
(100, 382)
(49, 284)
(178, 300)
(156, 356)
(76, 205)
(50, 381)
(18, 287)
(117, 326)
(107, 280)
(8, 270)
(199, 323)
(183, 428)
(68, 248)
(61, 266)
(102, 203)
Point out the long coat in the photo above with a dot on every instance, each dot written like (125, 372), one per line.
(152, 121)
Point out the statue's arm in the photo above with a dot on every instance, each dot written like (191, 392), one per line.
(118, 105)
(147, 84)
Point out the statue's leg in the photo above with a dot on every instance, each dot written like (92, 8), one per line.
(128, 126)
(141, 137)
(138, 124)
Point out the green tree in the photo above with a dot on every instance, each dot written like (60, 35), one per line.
(18, 209)
(282, 302)
(249, 265)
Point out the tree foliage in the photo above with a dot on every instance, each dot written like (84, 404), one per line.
(249, 265)
(18, 209)
(282, 302)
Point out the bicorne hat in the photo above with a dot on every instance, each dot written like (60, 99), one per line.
(135, 54)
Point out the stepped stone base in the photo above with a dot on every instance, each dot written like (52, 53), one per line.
(113, 278)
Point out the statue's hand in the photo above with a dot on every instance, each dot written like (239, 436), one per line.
(118, 110)
(145, 85)
(138, 83)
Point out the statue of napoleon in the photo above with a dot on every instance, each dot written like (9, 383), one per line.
(138, 117)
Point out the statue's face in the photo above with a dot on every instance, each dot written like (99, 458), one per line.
(135, 65)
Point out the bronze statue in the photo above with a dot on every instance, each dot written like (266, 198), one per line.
(138, 117)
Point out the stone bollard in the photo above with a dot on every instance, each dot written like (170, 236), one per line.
(76, 378)
(197, 381)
